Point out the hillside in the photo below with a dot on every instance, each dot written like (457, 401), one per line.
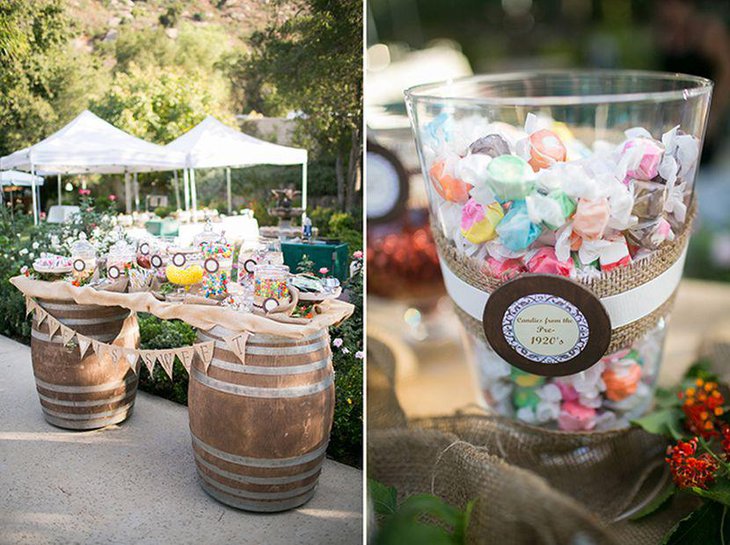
(99, 21)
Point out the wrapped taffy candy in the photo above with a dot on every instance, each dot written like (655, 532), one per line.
(561, 219)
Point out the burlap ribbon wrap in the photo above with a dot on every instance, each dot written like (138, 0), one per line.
(532, 486)
(667, 261)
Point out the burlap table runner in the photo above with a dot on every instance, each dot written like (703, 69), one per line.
(203, 317)
(532, 486)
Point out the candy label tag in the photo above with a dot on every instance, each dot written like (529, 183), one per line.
(546, 325)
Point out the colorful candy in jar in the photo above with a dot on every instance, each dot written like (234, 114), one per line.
(546, 148)
(270, 287)
(83, 259)
(446, 185)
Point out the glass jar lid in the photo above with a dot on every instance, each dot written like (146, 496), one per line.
(82, 248)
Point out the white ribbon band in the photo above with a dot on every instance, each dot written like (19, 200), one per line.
(623, 308)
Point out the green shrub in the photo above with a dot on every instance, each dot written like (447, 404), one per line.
(156, 334)
(162, 211)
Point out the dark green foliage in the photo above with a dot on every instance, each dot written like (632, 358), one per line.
(157, 334)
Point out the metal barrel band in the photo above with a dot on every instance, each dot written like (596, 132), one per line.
(260, 506)
(258, 392)
(62, 388)
(241, 493)
(260, 462)
(270, 371)
(248, 479)
(91, 403)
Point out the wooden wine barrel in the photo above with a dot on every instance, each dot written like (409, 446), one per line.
(260, 430)
(90, 392)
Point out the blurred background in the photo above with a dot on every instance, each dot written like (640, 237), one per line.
(417, 41)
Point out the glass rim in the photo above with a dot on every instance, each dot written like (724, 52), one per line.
(694, 86)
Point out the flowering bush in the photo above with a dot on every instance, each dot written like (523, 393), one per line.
(695, 418)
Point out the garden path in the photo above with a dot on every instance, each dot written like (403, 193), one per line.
(136, 483)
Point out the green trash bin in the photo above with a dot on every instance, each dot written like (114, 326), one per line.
(334, 257)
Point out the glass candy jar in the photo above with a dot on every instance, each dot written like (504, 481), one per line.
(83, 259)
(561, 205)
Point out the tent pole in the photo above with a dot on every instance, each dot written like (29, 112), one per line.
(34, 197)
(127, 193)
(228, 189)
(136, 193)
(193, 193)
(304, 186)
(186, 189)
(176, 187)
(60, 195)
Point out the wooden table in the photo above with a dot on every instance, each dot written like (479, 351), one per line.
(434, 378)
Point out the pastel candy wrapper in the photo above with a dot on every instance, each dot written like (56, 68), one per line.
(516, 231)
(615, 254)
(645, 156)
(544, 261)
(510, 177)
(505, 269)
(478, 223)
(546, 148)
(591, 218)
(447, 185)
(472, 169)
(492, 145)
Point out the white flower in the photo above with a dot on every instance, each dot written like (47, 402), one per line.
(360, 354)
(337, 342)
(23, 251)
(345, 350)
(36, 245)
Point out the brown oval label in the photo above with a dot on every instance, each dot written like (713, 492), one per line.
(547, 325)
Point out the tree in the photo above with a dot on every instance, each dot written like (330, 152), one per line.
(314, 61)
(44, 81)
(157, 104)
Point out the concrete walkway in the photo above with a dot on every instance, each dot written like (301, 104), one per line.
(135, 484)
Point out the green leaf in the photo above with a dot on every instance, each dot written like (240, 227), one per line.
(705, 526)
(665, 422)
(399, 531)
(719, 491)
(426, 504)
(385, 498)
(658, 501)
(667, 398)
(460, 530)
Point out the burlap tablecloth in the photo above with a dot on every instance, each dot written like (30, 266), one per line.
(201, 316)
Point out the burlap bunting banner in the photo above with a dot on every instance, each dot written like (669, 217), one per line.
(205, 353)
(186, 356)
(237, 345)
(166, 358)
(67, 334)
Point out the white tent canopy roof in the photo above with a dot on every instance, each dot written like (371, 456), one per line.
(15, 177)
(212, 144)
(90, 144)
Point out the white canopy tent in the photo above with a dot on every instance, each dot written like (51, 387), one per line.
(20, 179)
(88, 144)
(212, 144)
(15, 177)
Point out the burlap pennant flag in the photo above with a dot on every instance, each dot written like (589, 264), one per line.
(40, 315)
(132, 356)
(101, 349)
(115, 353)
(205, 353)
(167, 359)
(67, 334)
(149, 357)
(30, 305)
(84, 344)
(186, 357)
(237, 345)
(53, 326)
